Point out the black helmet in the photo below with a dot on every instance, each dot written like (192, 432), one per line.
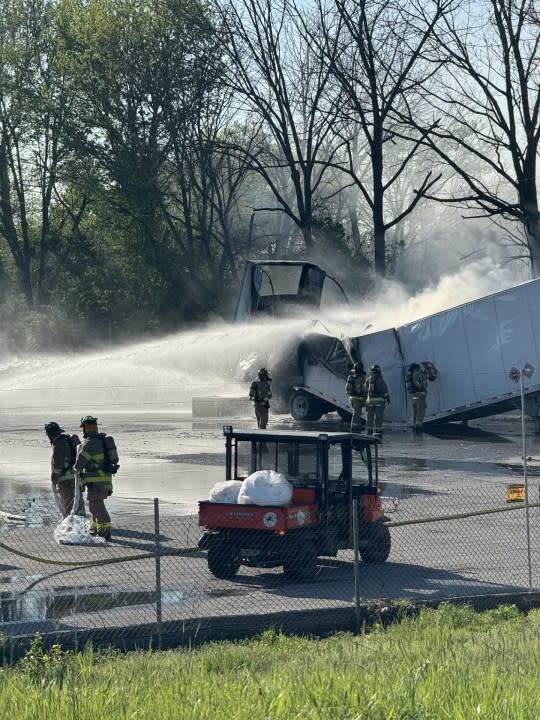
(375, 369)
(358, 367)
(52, 428)
(263, 374)
(413, 367)
(88, 420)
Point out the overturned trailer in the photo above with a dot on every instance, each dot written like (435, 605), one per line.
(478, 348)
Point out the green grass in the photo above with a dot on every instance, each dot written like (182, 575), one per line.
(450, 663)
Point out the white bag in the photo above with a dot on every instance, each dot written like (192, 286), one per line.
(75, 530)
(225, 492)
(265, 487)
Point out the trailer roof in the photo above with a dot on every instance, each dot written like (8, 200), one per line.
(293, 435)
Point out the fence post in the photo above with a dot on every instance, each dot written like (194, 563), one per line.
(356, 563)
(525, 480)
(158, 570)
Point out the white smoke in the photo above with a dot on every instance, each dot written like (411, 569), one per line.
(393, 305)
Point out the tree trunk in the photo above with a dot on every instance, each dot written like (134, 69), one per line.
(532, 228)
(355, 230)
(379, 240)
(528, 199)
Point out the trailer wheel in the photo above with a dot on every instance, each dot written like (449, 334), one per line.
(302, 565)
(304, 406)
(378, 545)
(223, 560)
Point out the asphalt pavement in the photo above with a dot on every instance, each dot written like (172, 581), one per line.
(444, 491)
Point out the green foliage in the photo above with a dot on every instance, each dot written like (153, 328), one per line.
(42, 665)
(452, 662)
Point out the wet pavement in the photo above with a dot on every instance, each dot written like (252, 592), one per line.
(178, 458)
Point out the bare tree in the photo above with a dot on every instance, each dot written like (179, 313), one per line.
(206, 182)
(34, 98)
(483, 114)
(374, 51)
(282, 86)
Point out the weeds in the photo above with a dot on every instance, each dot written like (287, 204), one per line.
(45, 665)
(447, 663)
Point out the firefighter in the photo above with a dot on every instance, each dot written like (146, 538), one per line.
(377, 396)
(260, 393)
(96, 463)
(62, 461)
(417, 381)
(355, 389)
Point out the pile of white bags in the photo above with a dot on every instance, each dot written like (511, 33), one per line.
(263, 487)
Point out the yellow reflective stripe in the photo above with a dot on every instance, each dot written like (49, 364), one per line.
(95, 456)
(101, 526)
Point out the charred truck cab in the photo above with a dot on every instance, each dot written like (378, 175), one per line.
(327, 471)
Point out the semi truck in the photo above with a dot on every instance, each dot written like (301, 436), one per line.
(479, 348)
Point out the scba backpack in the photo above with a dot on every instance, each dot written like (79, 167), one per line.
(110, 463)
(72, 442)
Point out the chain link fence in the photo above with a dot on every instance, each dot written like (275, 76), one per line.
(152, 585)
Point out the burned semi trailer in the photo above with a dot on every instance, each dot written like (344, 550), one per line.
(281, 288)
(479, 349)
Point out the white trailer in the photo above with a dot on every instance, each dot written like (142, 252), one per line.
(474, 346)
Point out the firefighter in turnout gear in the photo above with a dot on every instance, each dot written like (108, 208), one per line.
(417, 386)
(356, 390)
(377, 397)
(62, 460)
(260, 393)
(97, 461)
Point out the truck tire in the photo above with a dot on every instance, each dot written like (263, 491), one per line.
(223, 560)
(302, 565)
(377, 548)
(304, 406)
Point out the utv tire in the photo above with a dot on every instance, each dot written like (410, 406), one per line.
(223, 560)
(302, 565)
(378, 545)
(305, 407)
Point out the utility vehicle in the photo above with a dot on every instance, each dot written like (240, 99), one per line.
(327, 471)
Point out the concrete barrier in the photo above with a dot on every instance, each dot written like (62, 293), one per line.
(220, 407)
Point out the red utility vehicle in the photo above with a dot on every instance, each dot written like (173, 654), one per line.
(327, 470)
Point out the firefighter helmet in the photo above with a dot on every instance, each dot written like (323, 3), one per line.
(375, 369)
(358, 367)
(88, 420)
(53, 427)
(263, 374)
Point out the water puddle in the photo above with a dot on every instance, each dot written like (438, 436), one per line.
(430, 464)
